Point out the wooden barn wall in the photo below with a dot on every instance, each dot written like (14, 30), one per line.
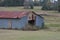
(39, 21)
(14, 23)
(19, 23)
(3, 23)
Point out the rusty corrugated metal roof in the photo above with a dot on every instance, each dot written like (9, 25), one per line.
(15, 14)
(12, 14)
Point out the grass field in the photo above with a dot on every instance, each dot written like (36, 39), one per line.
(52, 22)
(28, 35)
(18, 9)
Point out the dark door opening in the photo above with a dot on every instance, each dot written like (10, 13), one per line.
(31, 22)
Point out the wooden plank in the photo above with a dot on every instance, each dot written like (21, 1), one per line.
(10, 24)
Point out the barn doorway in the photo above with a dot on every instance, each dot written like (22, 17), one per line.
(31, 19)
(31, 22)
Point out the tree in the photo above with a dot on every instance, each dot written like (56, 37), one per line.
(59, 5)
(46, 5)
(41, 2)
(31, 4)
(28, 4)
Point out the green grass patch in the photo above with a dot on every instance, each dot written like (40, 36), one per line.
(52, 25)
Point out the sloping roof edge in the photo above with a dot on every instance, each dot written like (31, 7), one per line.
(36, 14)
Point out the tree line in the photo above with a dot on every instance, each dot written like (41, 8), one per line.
(12, 3)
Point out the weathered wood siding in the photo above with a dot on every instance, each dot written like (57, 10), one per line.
(13, 23)
(39, 22)
(19, 23)
(3, 23)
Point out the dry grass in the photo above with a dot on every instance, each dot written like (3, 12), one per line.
(28, 35)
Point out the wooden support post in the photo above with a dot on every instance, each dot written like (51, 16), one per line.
(9, 24)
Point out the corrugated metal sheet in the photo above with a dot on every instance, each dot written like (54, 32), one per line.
(12, 14)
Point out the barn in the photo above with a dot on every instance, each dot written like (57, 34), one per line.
(20, 20)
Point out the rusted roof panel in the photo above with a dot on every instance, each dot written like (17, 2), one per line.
(12, 14)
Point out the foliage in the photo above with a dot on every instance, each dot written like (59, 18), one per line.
(12, 3)
(59, 8)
